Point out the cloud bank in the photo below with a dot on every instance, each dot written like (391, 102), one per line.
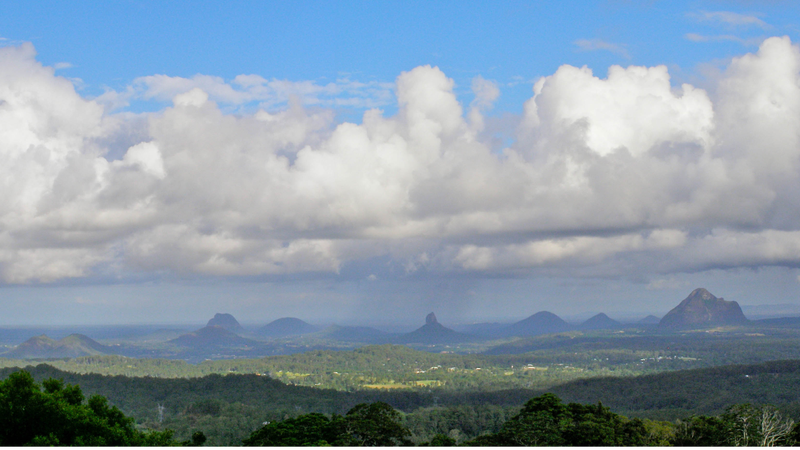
(625, 175)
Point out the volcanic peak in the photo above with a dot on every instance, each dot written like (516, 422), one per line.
(431, 319)
(433, 333)
(600, 322)
(702, 308)
(543, 322)
(286, 326)
(72, 346)
(225, 321)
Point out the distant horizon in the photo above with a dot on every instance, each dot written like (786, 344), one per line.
(752, 312)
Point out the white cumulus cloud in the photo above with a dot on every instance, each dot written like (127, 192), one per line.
(621, 175)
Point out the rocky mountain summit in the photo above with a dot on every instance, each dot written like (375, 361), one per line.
(433, 333)
(430, 319)
(701, 309)
(225, 321)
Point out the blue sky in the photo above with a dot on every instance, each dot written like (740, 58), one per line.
(190, 156)
(110, 45)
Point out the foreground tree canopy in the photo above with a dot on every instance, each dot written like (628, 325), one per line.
(543, 421)
(546, 421)
(58, 415)
(366, 425)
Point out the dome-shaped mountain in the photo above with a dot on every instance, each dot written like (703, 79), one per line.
(434, 333)
(72, 346)
(702, 309)
(600, 322)
(35, 347)
(287, 326)
(649, 320)
(226, 321)
(543, 322)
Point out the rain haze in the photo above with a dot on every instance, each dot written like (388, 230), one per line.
(367, 163)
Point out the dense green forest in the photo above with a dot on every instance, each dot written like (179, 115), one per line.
(55, 413)
(227, 409)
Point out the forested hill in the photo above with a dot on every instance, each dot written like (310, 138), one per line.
(682, 393)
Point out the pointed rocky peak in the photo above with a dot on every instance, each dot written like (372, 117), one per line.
(700, 296)
(432, 325)
(702, 293)
(433, 333)
(430, 319)
(702, 308)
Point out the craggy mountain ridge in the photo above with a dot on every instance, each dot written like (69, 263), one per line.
(702, 309)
